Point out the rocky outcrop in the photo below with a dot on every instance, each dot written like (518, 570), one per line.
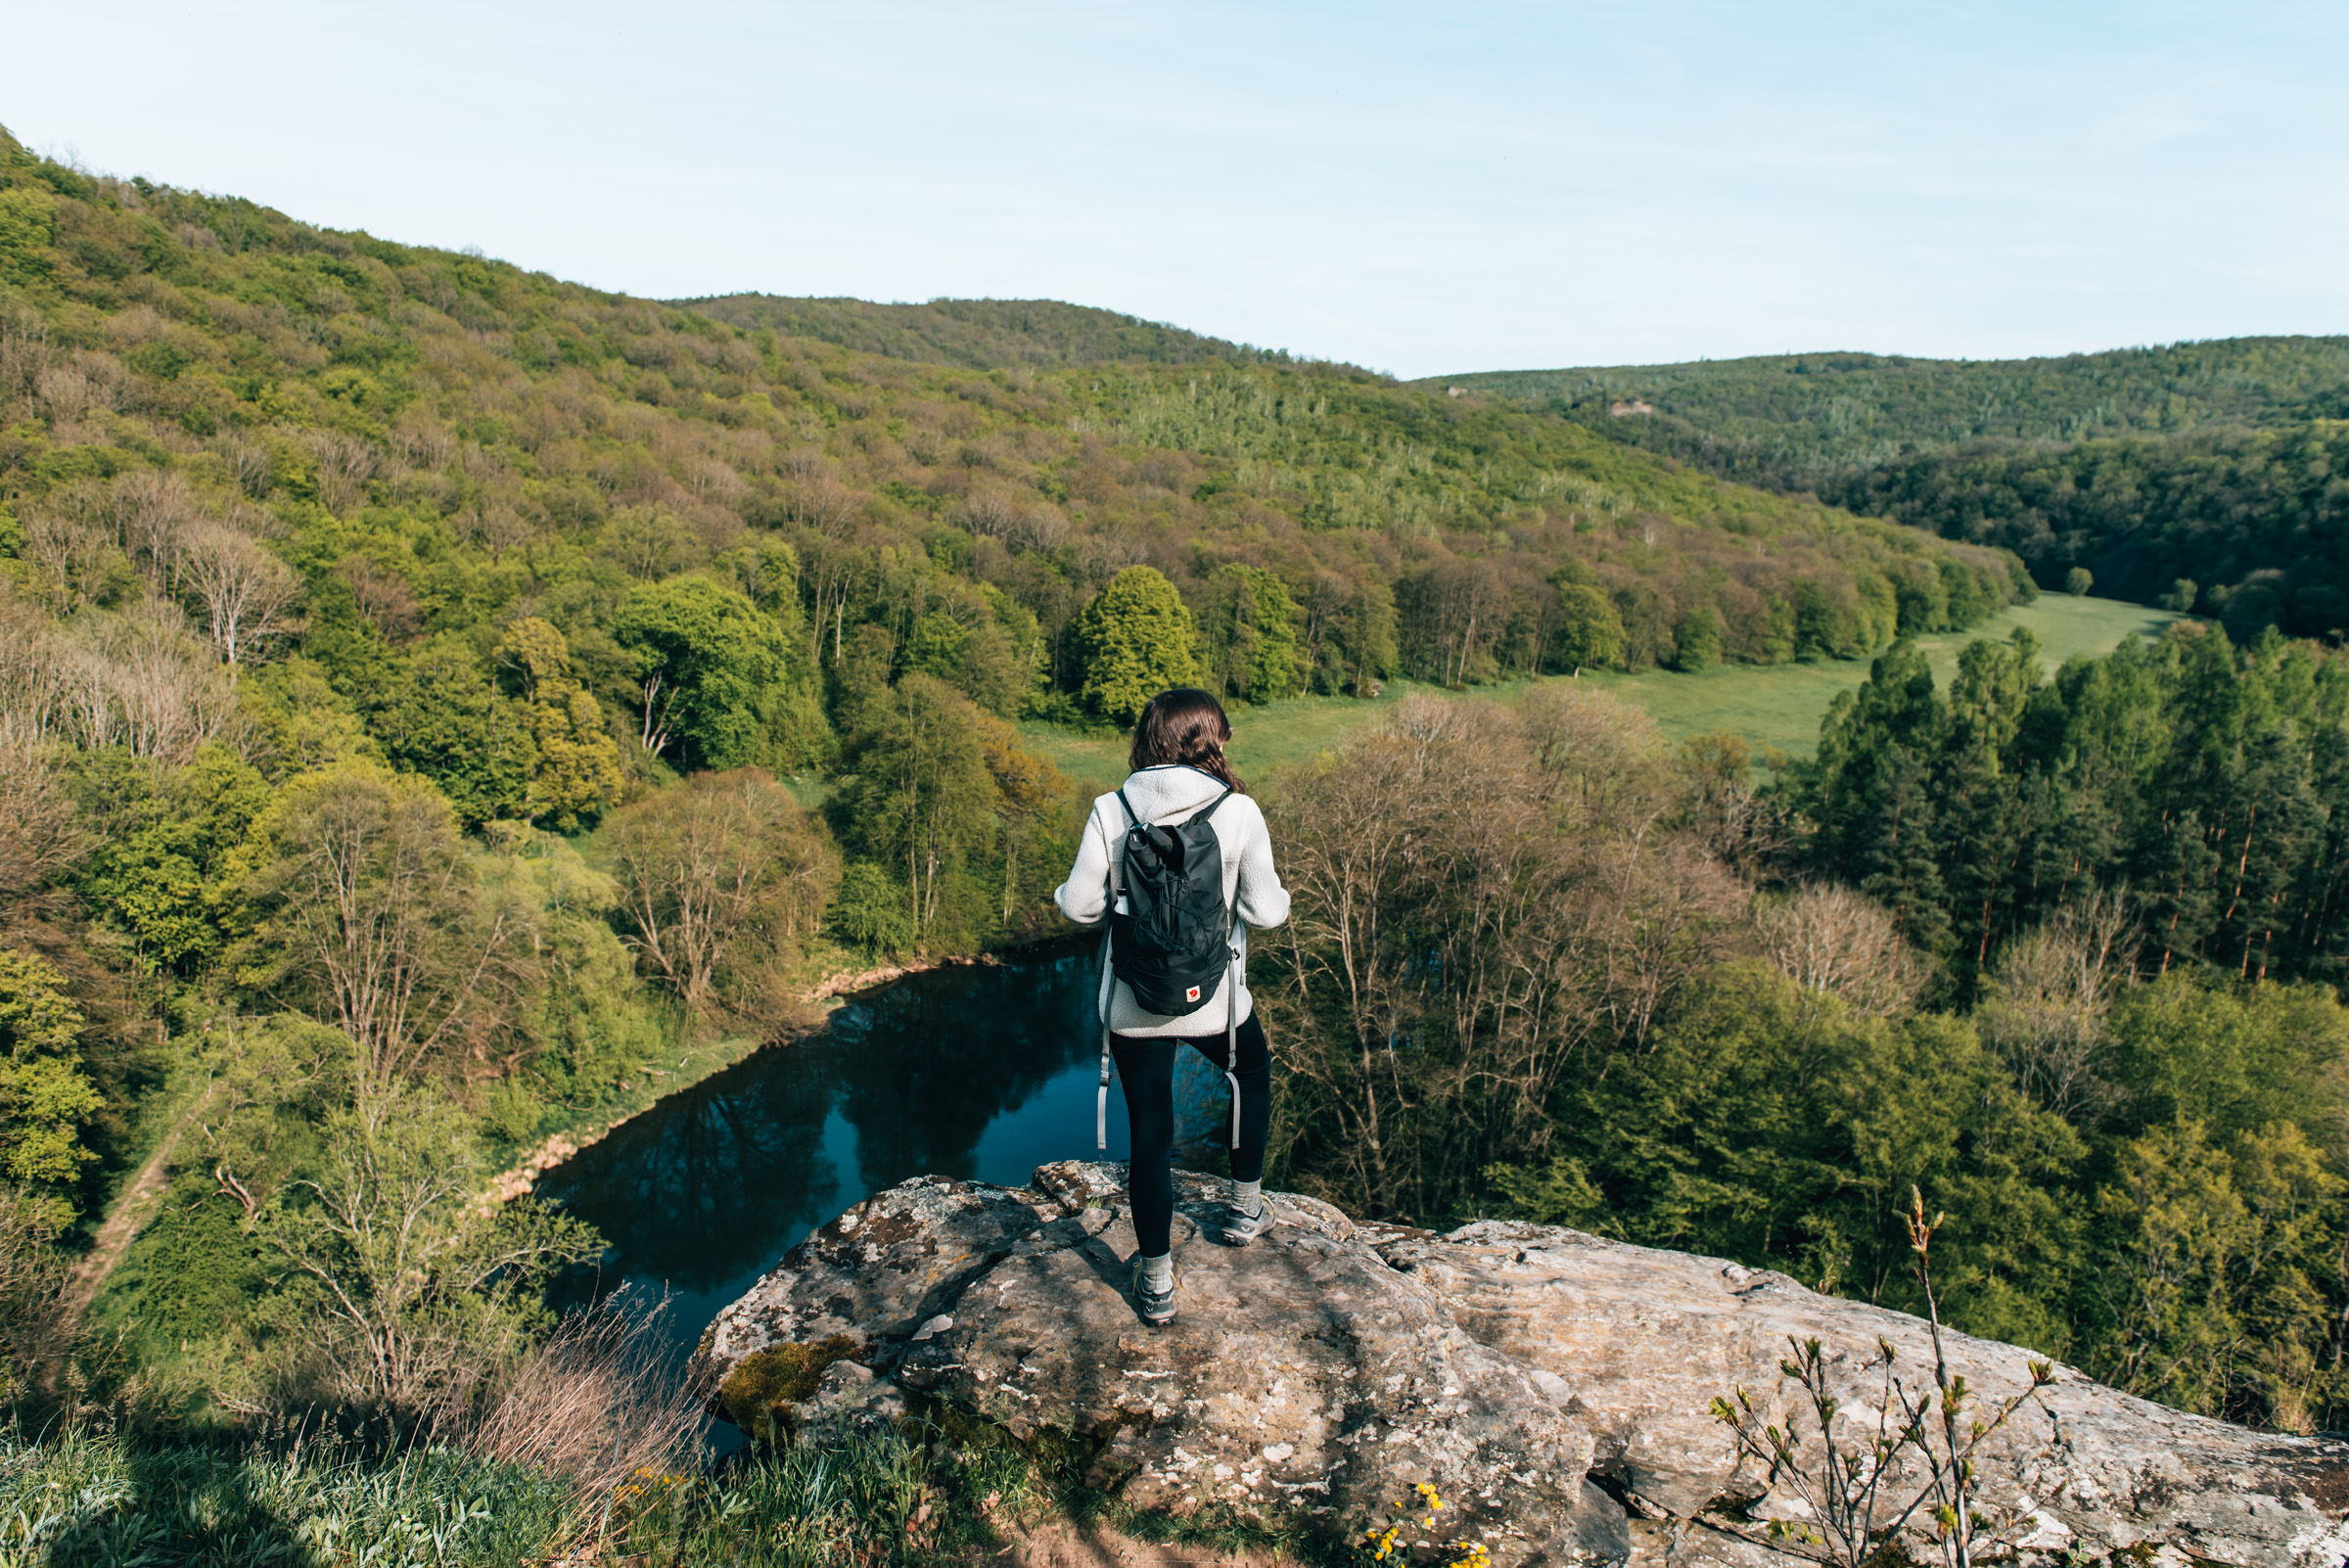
(1553, 1387)
(1638, 1341)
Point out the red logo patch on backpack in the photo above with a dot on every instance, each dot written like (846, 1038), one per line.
(1191, 994)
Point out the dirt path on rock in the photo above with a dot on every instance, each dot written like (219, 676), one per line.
(123, 1222)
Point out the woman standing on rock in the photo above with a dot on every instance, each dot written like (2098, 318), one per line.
(1178, 863)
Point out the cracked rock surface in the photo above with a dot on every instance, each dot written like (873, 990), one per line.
(1637, 1341)
(1552, 1386)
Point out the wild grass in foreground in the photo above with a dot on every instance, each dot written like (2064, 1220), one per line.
(85, 1499)
(94, 1498)
(583, 1450)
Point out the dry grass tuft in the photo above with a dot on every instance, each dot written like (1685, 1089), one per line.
(600, 1402)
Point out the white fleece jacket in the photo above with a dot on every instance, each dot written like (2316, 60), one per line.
(1252, 889)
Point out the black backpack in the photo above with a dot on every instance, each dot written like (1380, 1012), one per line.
(1170, 941)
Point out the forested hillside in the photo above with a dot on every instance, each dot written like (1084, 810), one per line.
(2248, 525)
(2201, 476)
(1799, 420)
(980, 334)
(401, 653)
(2063, 954)
(415, 674)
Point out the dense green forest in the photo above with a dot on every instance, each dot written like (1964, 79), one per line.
(2061, 953)
(403, 658)
(1801, 420)
(430, 694)
(2251, 526)
(2205, 780)
(980, 334)
(2200, 475)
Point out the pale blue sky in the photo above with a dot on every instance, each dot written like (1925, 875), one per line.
(1420, 189)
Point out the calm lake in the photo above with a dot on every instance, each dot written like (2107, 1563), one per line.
(979, 1071)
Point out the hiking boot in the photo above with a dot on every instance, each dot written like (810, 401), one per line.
(1155, 1305)
(1241, 1227)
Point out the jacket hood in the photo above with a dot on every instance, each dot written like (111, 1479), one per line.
(1159, 793)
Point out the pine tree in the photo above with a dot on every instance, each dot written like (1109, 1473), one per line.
(1899, 852)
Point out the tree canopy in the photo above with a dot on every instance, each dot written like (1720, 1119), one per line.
(2214, 462)
(706, 659)
(1134, 640)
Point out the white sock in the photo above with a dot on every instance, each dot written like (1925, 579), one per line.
(1248, 1197)
(1157, 1274)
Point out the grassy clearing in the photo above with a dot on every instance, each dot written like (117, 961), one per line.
(1770, 706)
(1264, 739)
(1780, 706)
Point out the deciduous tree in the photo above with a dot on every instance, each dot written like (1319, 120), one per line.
(923, 795)
(405, 1287)
(246, 593)
(1590, 631)
(45, 1098)
(1251, 635)
(445, 720)
(361, 900)
(1133, 641)
(720, 860)
(576, 770)
(705, 658)
(1029, 790)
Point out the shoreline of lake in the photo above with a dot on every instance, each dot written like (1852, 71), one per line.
(557, 1149)
(974, 1071)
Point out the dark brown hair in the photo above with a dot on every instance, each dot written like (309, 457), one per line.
(1184, 728)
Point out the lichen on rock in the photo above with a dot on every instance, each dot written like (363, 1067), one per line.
(762, 1392)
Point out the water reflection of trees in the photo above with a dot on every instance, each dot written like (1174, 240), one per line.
(702, 1188)
(932, 1061)
(706, 1188)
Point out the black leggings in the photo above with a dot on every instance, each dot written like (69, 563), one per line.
(1146, 1072)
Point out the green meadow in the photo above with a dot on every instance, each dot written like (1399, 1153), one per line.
(1770, 705)
(1780, 706)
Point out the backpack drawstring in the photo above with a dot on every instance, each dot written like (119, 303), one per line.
(1101, 1102)
(1231, 1043)
(1109, 985)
